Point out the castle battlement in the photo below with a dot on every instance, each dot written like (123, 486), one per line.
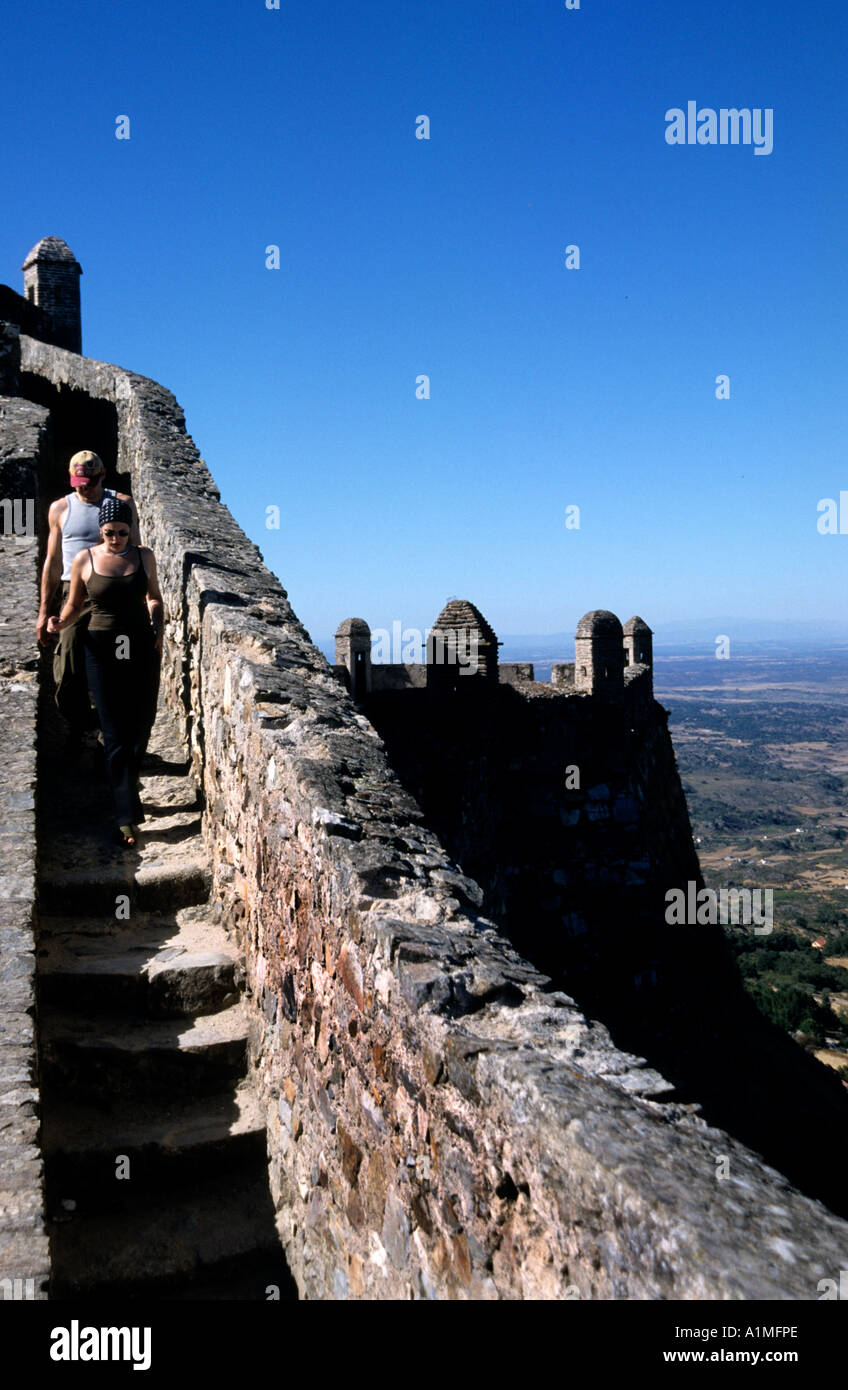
(462, 655)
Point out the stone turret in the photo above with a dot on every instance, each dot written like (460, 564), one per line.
(462, 649)
(353, 651)
(599, 656)
(638, 643)
(51, 281)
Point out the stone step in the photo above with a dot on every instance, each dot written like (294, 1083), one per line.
(93, 1057)
(163, 827)
(174, 964)
(158, 885)
(217, 1226)
(166, 794)
(166, 1142)
(144, 1049)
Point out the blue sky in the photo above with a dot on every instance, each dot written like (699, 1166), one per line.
(400, 257)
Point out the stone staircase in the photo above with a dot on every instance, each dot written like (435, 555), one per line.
(154, 1143)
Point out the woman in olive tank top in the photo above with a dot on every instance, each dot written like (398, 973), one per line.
(123, 645)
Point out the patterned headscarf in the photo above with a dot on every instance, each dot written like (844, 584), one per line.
(114, 509)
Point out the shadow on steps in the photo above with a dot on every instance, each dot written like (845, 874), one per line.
(154, 1141)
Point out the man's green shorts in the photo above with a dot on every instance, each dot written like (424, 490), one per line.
(72, 698)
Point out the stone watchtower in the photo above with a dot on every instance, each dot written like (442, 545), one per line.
(51, 281)
(462, 649)
(353, 651)
(638, 643)
(599, 656)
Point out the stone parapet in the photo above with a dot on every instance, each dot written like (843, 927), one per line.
(513, 672)
(23, 1240)
(395, 676)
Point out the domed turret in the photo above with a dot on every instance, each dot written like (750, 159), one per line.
(353, 650)
(51, 281)
(461, 645)
(50, 248)
(599, 656)
(638, 643)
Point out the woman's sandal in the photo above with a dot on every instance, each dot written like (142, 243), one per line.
(127, 836)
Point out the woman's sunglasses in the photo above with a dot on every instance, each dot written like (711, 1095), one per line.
(120, 535)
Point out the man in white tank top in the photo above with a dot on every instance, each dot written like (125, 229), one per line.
(73, 524)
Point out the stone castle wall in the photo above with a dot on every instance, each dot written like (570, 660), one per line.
(441, 1123)
(26, 317)
(24, 452)
(549, 798)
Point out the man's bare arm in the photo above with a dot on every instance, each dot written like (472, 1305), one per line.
(52, 570)
(72, 606)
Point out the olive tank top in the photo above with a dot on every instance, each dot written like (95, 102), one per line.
(117, 600)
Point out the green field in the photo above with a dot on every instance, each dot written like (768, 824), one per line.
(762, 747)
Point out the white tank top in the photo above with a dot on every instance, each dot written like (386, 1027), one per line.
(80, 528)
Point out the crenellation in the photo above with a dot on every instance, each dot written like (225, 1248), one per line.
(515, 672)
(462, 643)
(562, 673)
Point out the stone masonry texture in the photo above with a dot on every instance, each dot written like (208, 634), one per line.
(23, 1242)
(442, 1124)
